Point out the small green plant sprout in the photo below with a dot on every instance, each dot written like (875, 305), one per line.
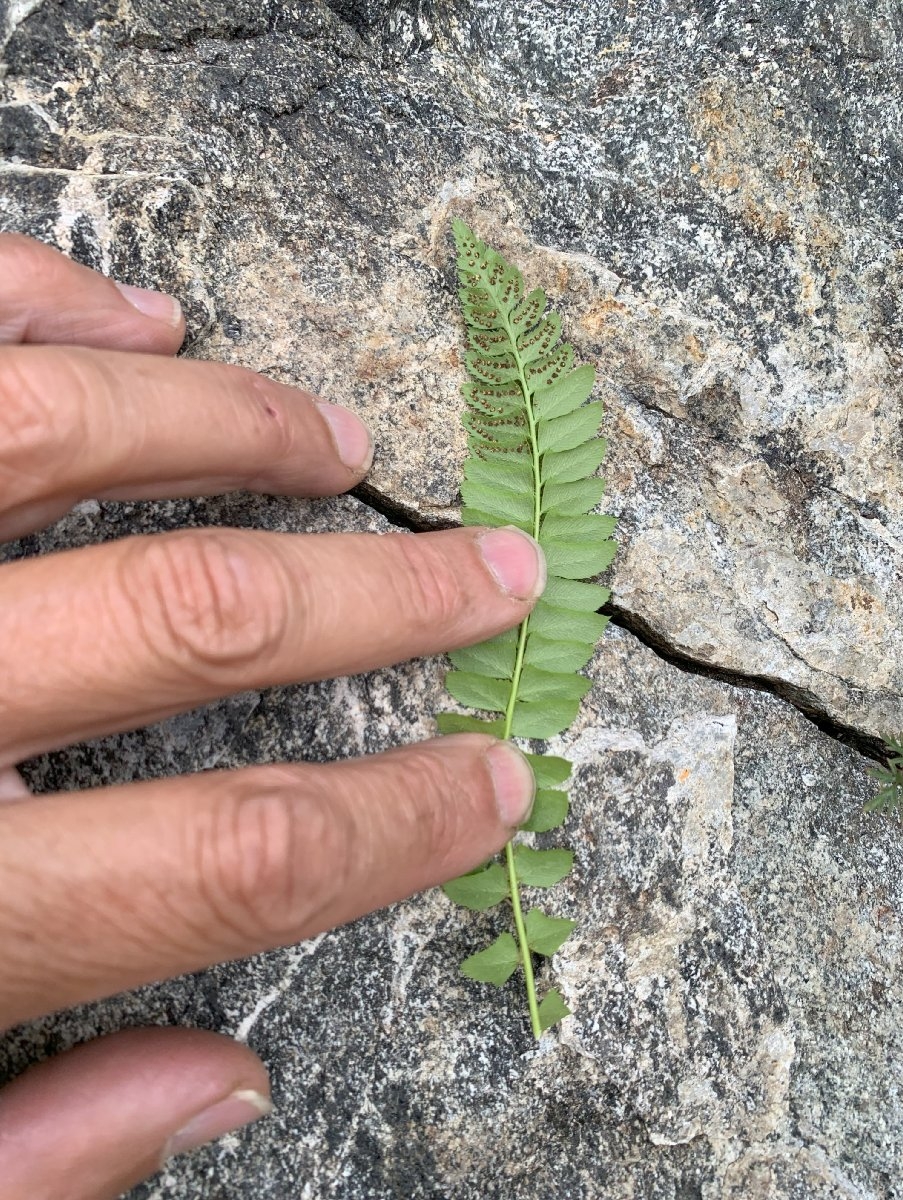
(534, 450)
(889, 799)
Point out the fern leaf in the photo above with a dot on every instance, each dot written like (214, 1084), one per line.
(537, 342)
(567, 466)
(529, 310)
(480, 889)
(542, 868)
(590, 528)
(542, 719)
(546, 934)
(504, 474)
(496, 964)
(550, 808)
(505, 505)
(536, 684)
(549, 770)
(571, 499)
(579, 597)
(479, 691)
(552, 1010)
(577, 559)
(570, 431)
(495, 657)
(566, 395)
(549, 655)
(449, 722)
(532, 433)
(567, 625)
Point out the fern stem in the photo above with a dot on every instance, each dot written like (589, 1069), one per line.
(525, 952)
(513, 881)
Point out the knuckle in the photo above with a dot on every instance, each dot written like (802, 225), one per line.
(36, 432)
(273, 855)
(433, 594)
(219, 600)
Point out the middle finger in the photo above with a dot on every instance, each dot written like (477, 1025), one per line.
(79, 423)
(111, 637)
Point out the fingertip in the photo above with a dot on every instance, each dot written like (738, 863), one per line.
(105, 1115)
(510, 774)
(158, 306)
(515, 560)
(46, 297)
(350, 435)
(513, 782)
(241, 1107)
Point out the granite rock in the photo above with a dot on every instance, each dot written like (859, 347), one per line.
(735, 977)
(711, 194)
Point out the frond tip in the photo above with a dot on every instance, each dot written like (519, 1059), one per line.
(532, 464)
(534, 450)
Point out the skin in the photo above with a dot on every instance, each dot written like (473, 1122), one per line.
(111, 888)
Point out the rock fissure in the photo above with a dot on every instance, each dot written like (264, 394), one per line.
(404, 517)
(804, 703)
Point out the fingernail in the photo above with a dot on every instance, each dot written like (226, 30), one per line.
(351, 436)
(13, 786)
(516, 561)
(237, 1110)
(157, 305)
(514, 783)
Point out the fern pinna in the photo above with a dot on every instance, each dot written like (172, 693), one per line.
(533, 453)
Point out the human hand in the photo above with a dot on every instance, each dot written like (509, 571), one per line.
(110, 888)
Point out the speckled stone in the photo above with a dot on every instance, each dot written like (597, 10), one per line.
(712, 196)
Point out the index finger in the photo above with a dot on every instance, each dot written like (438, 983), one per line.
(46, 297)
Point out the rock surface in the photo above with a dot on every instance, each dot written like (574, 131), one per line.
(736, 979)
(712, 196)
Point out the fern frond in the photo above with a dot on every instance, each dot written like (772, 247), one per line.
(889, 798)
(533, 453)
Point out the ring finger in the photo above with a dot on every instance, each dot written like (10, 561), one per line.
(155, 879)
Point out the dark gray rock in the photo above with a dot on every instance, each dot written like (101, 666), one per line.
(735, 977)
(712, 195)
